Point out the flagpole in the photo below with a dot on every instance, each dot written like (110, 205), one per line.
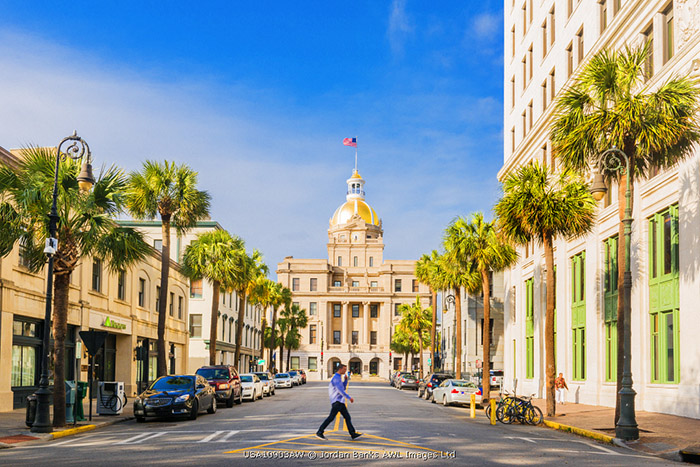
(355, 153)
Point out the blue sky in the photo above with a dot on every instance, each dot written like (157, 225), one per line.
(258, 96)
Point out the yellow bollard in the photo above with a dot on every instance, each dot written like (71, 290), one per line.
(472, 412)
(493, 411)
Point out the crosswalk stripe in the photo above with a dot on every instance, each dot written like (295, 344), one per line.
(142, 437)
(210, 437)
(226, 437)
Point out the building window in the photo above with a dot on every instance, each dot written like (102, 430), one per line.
(529, 329)
(355, 335)
(545, 93)
(196, 326)
(356, 311)
(579, 43)
(512, 92)
(668, 33)
(313, 284)
(196, 288)
(312, 334)
(529, 64)
(373, 311)
(529, 116)
(171, 305)
(340, 260)
(552, 29)
(569, 59)
(336, 310)
(664, 296)
(312, 308)
(414, 285)
(158, 245)
(397, 312)
(97, 275)
(578, 314)
(512, 42)
(481, 334)
(649, 63)
(24, 254)
(570, 7)
(142, 292)
(545, 38)
(552, 85)
(336, 337)
(371, 261)
(157, 298)
(26, 348)
(373, 337)
(295, 362)
(397, 285)
(512, 139)
(295, 284)
(524, 67)
(312, 364)
(374, 284)
(179, 307)
(121, 285)
(354, 261)
(603, 15)
(523, 118)
(355, 283)
(610, 279)
(337, 283)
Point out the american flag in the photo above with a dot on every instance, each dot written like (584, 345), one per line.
(350, 142)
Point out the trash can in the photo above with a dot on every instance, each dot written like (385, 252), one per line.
(81, 393)
(31, 410)
(70, 401)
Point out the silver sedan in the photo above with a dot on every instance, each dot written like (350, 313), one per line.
(456, 392)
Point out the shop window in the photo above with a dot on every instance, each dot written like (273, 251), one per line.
(196, 326)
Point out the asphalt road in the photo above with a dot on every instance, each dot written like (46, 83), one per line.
(398, 428)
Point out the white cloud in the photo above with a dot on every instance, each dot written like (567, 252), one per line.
(486, 25)
(399, 26)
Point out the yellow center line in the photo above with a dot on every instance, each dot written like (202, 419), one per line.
(369, 442)
(324, 446)
(268, 444)
(403, 443)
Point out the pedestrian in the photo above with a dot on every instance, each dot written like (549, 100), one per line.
(337, 394)
(560, 385)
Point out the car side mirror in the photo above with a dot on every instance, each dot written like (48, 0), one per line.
(201, 386)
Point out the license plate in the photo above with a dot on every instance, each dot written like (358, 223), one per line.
(461, 392)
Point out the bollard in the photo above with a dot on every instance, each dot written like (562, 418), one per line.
(472, 412)
(493, 411)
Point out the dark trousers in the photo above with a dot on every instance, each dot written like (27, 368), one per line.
(335, 408)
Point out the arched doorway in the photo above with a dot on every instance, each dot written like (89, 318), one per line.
(355, 366)
(374, 366)
(333, 364)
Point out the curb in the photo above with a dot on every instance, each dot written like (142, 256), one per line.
(68, 432)
(580, 431)
(72, 431)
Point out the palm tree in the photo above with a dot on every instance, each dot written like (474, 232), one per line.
(260, 295)
(426, 272)
(475, 243)
(280, 296)
(295, 318)
(246, 269)
(86, 227)
(212, 256)
(452, 275)
(540, 205)
(610, 105)
(400, 343)
(415, 320)
(170, 191)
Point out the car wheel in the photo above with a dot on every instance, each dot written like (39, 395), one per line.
(432, 398)
(212, 409)
(140, 419)
(195, 410)
(444, 401)
(230, 400)
(425, 395)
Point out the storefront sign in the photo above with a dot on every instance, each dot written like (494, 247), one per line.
(109, 323)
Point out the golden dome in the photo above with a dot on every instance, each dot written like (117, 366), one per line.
(351, 207)
(355, 174)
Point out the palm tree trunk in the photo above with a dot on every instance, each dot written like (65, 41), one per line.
(405, 361)
(420, 349)
(433, 331)
(486, 338)
(262, 338)
(214, 322)
(281, 359)
(60, 328)
(550, 355)
(458, 333)
(272, 340)
(289, 357)
(163, 298)
(239, 326)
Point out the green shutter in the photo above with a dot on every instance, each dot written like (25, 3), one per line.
(578, 314)
(529, 329)
(610, 297)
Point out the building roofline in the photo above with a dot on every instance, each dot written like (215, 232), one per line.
(155, 223)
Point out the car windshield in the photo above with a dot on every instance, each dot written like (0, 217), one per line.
(281, 375)
(246, 379)
(292, 373)
(409, 376)
(213, 373)
(262, 376)
(463, 384)
(173, 383)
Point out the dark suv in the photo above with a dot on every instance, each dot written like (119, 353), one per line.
(425, 389)
(224, 379)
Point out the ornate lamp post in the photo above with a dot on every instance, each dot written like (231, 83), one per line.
(450, 300)
(612, 161)
(76, 148)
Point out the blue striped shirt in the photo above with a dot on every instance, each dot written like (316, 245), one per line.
(336, 389)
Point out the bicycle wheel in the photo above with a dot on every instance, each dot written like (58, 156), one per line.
(487, 411)
(534, 415)
(504, 414)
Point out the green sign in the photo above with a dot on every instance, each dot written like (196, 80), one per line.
(261, 362)
(113, 324)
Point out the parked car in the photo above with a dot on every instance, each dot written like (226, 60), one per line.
(296, 377)
(427, 385)
(302, 373)
(407, 381)
(496, 378)
(225, 381)
(175, 395)
(397, 377)
(283, 380)
(457, 392)
(252, 386)
(268, 382)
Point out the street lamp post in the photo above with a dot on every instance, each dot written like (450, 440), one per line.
(450, 300)
(611, 161)
(76, 149)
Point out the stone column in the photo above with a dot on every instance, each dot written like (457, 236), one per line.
(365, 315)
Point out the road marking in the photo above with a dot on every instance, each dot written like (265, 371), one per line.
(142, 437)
(210, 437)
(529, 440)
(226, 436)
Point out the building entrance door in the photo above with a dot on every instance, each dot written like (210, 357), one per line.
(355, 366)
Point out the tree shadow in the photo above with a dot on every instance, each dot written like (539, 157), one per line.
(689, 223)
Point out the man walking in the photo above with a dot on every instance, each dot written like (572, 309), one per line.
(337, 394)
(560, 385)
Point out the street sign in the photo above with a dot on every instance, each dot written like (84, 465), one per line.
(478, 363)
(261, 361)
(93, 340)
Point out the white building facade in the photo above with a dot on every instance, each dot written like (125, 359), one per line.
(546, 44)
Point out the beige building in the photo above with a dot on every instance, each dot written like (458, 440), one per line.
(547, 43)
(201, 294)
(352, 298)
(124, 305)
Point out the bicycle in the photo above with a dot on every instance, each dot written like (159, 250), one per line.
(522, 410)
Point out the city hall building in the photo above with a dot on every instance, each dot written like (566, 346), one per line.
(547, 43)
(352, 297)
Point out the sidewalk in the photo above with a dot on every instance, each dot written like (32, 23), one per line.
(659, 434)
(13, 429)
